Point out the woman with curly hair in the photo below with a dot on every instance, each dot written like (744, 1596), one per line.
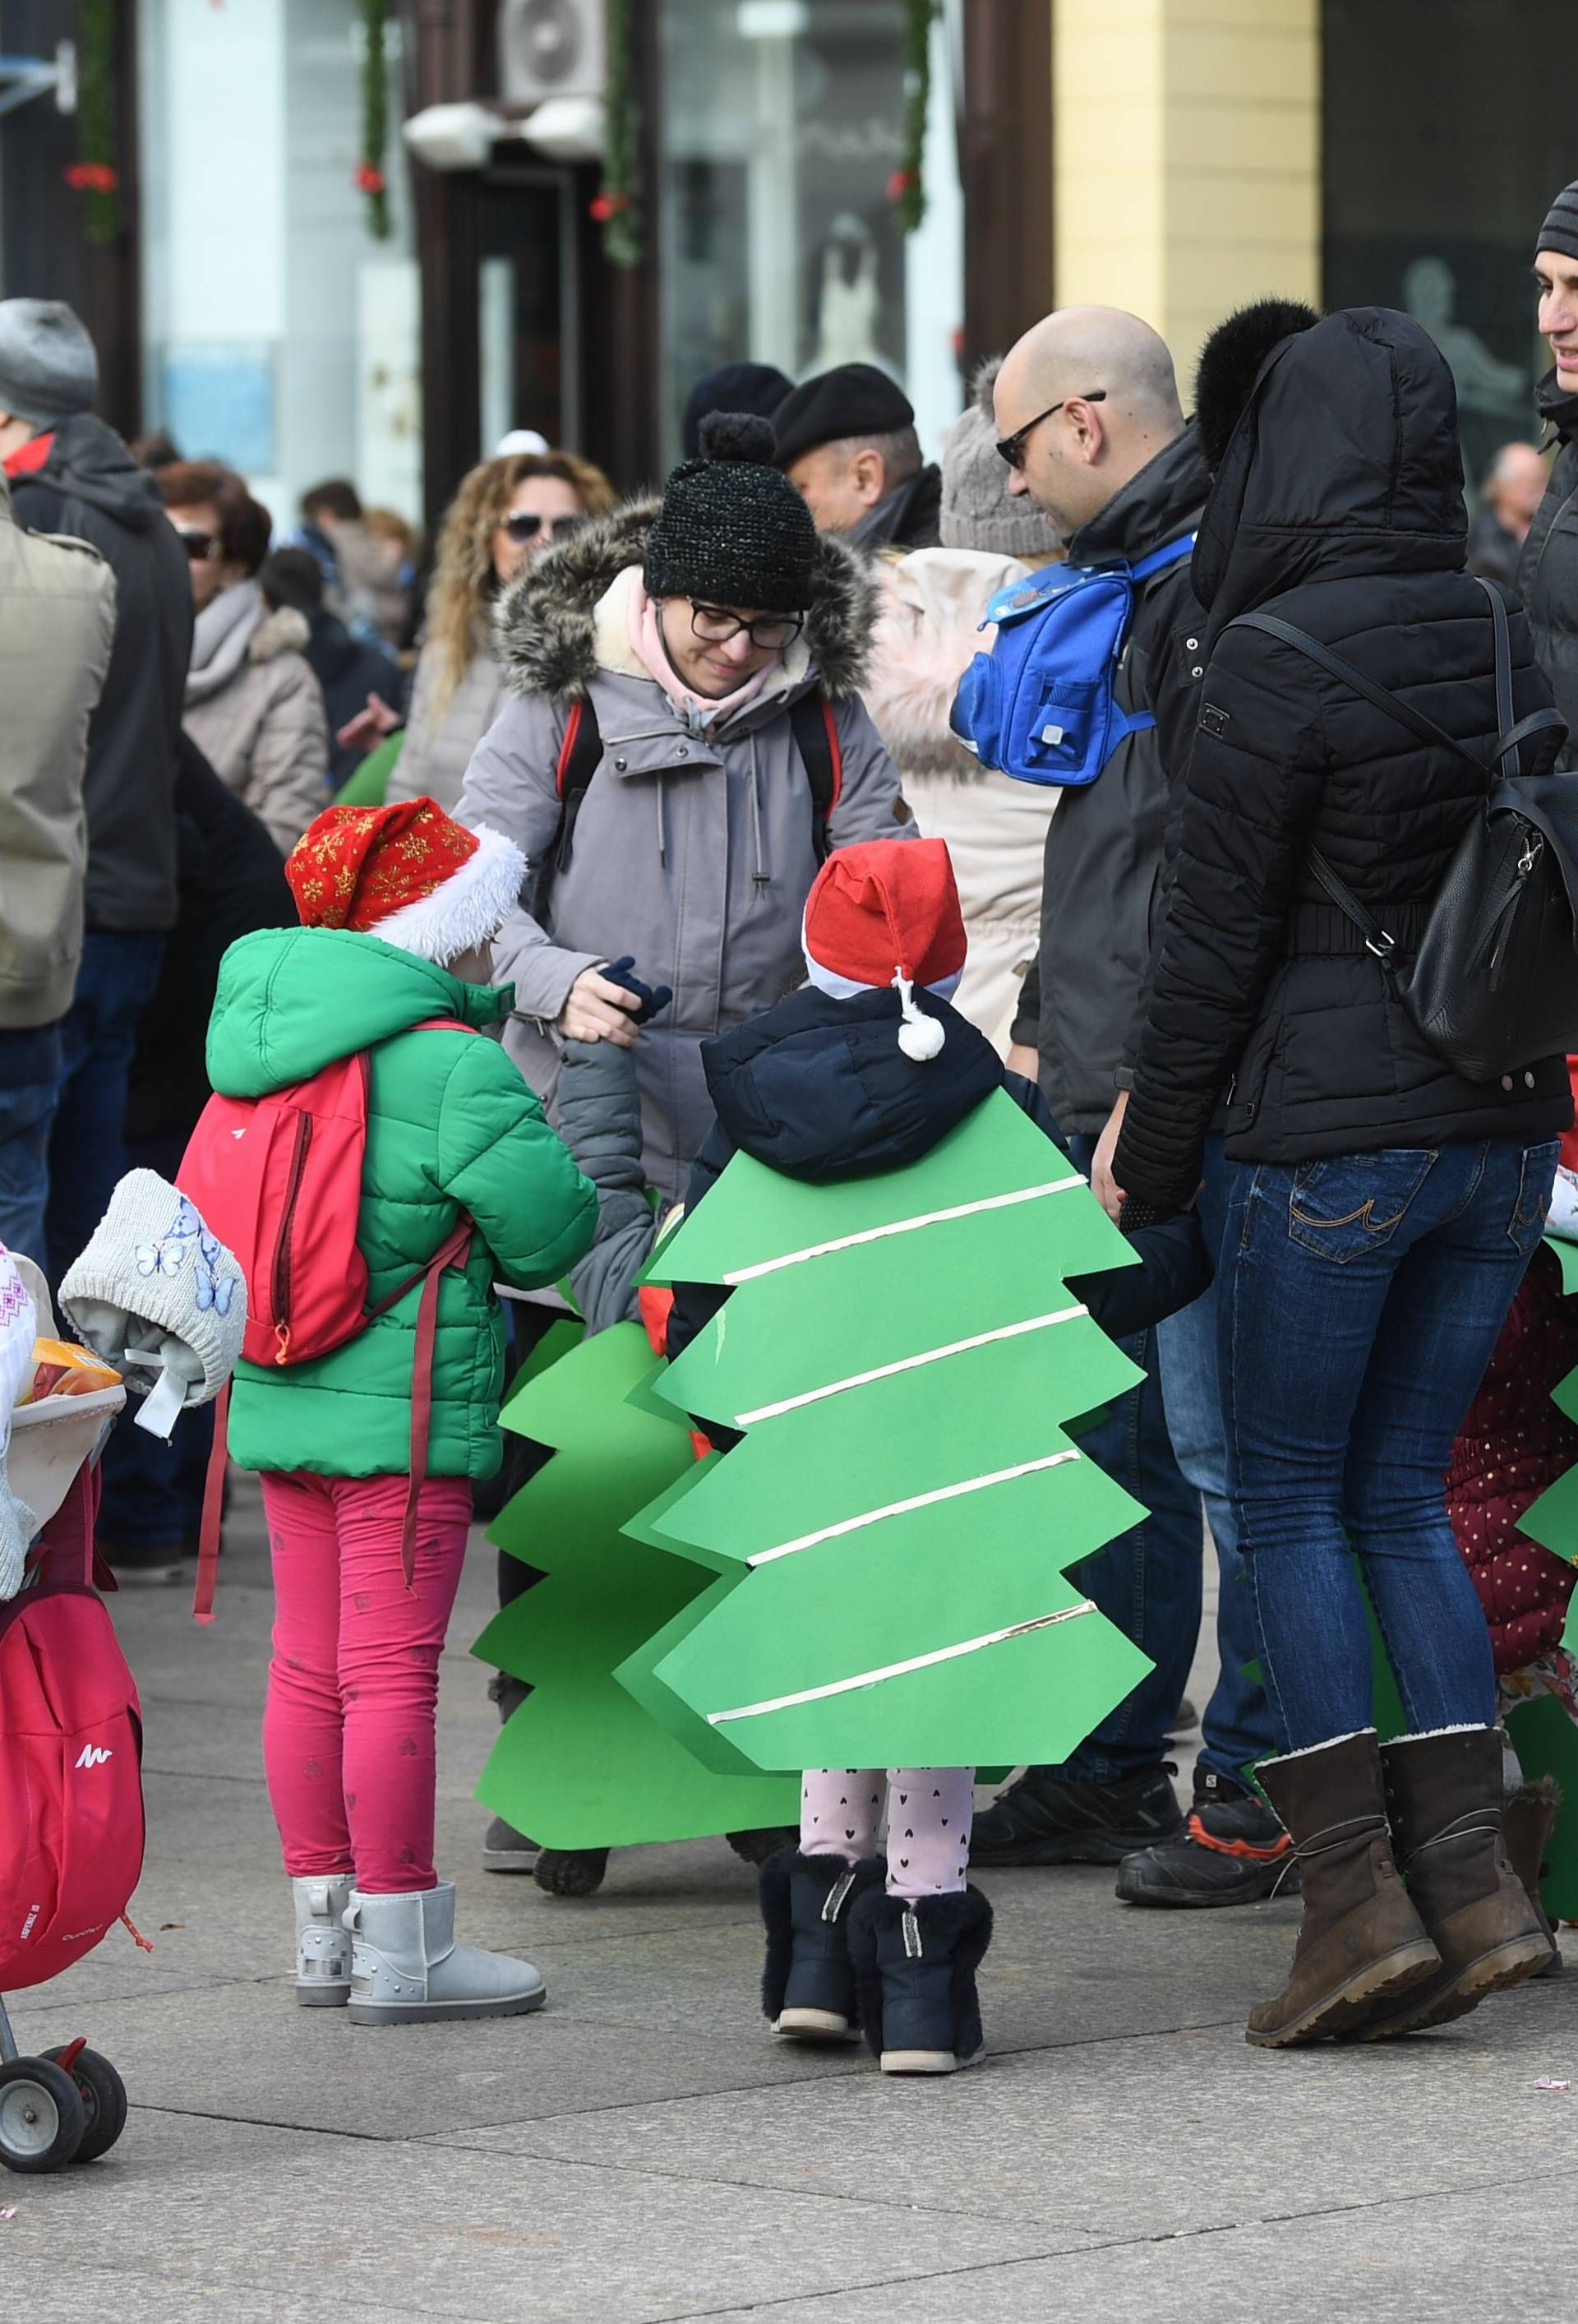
(506, 514)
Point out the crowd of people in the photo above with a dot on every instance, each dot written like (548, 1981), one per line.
(644, 786)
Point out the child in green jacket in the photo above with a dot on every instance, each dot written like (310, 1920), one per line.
(397, 903)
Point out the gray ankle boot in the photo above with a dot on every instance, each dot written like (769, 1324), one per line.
(323, 1949)
(407, 1969)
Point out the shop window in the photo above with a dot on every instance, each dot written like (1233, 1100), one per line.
(1445, 142)
(781, 124)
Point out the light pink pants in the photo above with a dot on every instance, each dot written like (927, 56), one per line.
(348, 1727)
(928, 1813)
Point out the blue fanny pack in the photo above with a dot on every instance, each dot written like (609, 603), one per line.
(1040, 705)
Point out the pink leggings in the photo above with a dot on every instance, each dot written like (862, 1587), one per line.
(348, 1727)
(928, 1813)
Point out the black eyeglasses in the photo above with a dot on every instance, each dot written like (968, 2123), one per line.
(770, 633)
(1011, 448)
(201, 548)
(525, 525)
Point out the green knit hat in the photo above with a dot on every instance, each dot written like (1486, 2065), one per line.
(732, 530)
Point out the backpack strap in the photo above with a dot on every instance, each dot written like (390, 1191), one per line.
(452, 1252)
(580, 756)
(816, 738)
(213, 1511)
(1159, 559)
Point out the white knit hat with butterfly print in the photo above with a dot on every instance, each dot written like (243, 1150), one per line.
(154, 1279)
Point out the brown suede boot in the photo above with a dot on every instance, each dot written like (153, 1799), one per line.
(1443, 1796)
(1526, 1820)
(1361, 1940)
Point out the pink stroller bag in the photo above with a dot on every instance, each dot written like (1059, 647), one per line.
(71, 1828)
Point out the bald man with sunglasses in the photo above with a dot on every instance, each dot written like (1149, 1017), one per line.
(1089, 421)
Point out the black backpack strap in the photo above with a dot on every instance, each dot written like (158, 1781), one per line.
(580, 756)
(816, 738)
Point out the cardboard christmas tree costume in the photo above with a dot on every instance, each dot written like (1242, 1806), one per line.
(905, 1360)
(581, 1765)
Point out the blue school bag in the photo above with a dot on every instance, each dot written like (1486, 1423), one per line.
(1040, 705)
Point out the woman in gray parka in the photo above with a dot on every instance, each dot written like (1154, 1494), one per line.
(687, 630)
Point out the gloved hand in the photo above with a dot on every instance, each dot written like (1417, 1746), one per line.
(654, 998)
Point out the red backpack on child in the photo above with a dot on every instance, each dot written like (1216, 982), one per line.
(70, 1760)
(279, 1179)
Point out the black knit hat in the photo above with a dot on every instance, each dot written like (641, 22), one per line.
(732, 530)
(854, 399)
(1560, 230)
(732, 387)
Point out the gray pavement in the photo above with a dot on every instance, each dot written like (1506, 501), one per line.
(642, 2150)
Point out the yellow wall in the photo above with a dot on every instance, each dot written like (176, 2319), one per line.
(1185, 158)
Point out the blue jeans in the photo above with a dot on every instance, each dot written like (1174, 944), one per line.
(31, 1066)
(1147, 1581)
(88, 1150)
(1361, 1298)
(1236, 1725)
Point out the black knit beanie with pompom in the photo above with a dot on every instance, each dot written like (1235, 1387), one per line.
(732, 530)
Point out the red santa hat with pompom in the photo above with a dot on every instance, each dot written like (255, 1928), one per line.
(886, 913)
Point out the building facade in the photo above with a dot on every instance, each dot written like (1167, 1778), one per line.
(1174, 156)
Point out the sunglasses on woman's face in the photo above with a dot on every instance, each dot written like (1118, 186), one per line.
(201, 548)
(525, 525)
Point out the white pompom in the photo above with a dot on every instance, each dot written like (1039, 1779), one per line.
(921, 1037)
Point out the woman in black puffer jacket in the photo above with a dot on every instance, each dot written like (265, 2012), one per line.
(1381, 1210)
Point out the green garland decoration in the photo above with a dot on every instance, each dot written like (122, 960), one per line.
(616, 208)
(94, 173)
(371, 179)
(906, 189)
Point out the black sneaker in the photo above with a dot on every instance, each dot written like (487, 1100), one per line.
(148, 1567)
(1234, 1851)
(1044, 1819)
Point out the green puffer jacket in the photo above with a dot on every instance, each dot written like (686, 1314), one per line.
(451, 1127)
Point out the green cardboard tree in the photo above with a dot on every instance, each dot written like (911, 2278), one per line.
(580, 1764)
(905, 1358)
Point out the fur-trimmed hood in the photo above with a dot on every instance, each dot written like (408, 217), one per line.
(545, 623)
(284, 630)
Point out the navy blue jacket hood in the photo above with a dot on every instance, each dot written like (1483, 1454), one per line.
(820, 1088)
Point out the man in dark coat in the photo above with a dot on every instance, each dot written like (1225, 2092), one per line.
(847, 442)
(350, 669)
(1548, 570)
(231, 881)
(71, 473)
(1087, 404)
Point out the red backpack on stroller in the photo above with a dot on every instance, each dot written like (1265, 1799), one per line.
(71, 1825)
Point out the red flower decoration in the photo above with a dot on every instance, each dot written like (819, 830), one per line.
(903, 182)
(369, 181)
(91, 178)
(608, 206)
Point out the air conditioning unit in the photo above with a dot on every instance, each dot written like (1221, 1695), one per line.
(551, 49)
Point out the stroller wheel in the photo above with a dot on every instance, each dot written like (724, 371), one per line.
(43, 2118)
(103, 2099)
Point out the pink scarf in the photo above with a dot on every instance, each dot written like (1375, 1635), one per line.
(647, 645)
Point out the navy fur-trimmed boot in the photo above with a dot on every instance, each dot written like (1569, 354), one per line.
(807, 1983)
(915, 1963)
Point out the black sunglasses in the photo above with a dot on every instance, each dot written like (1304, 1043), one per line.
(525, 525)
(1011, 448)
(201, 548)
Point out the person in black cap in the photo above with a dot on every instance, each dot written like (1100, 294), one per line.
(1548, 570)
(732, 387)
(847, 442)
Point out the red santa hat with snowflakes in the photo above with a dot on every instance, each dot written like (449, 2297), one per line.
(883, 914)
(407, 873)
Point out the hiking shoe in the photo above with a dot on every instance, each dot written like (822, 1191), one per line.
(147, 1566)
(1233, 1851)
(759, 1848)
(1043, 1818)
(505, 1849)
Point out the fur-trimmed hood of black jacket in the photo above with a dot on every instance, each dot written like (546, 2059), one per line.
(545, 621)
